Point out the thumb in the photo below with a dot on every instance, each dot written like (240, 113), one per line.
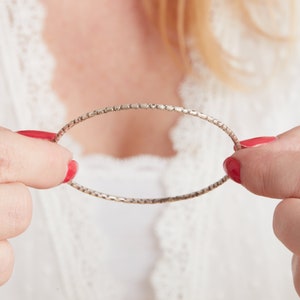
(272, 169)
(30, 158)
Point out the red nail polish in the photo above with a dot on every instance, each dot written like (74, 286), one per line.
(72, 170)
(233, 169)
(44, 135)
(258, 141)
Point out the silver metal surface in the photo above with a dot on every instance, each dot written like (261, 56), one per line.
(138, 106)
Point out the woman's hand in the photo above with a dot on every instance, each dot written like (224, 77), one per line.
(26, 162)
(273, 170)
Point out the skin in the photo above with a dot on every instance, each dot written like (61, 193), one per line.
(90, 73)
(272, 170)
(101, 62)
(263, 172)
(24, 159)
(22, 162)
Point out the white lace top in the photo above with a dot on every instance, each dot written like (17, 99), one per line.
(133, 248)
(220, 246)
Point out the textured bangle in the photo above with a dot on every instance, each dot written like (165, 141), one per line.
(168, 108)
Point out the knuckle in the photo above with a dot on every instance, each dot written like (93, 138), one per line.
(15, 209)
(20, 212)
(8, 155)
(278, 222)
(6, 261)
(286, 223)
(5, 162)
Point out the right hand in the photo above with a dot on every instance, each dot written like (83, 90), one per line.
(25, 162)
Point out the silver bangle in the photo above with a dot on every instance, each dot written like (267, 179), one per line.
(169, 108)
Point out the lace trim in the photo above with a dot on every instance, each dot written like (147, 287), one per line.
(74, 238)
(190, 263)
(186, 229)
(36, 64)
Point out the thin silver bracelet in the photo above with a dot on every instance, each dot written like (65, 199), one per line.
(169, 108)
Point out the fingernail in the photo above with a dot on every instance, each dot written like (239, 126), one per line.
(44, 135)
(257, 141)
(232, 168)
(72, 170)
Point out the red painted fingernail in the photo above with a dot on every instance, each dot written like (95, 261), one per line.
(233, 169)
(44, 135)
(72, 170)
(257, 141)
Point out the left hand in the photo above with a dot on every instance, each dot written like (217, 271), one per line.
(273, 170)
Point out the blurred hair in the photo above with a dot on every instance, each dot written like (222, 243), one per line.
(182, 20)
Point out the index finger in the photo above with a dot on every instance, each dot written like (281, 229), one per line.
(271, 170)
(35, 162)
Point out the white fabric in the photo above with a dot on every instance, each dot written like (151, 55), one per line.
(133, 248)
(220, 246)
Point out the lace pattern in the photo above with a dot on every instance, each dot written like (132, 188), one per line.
(36, 64)
(202, 252)
(193, 235)
(75, 244)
